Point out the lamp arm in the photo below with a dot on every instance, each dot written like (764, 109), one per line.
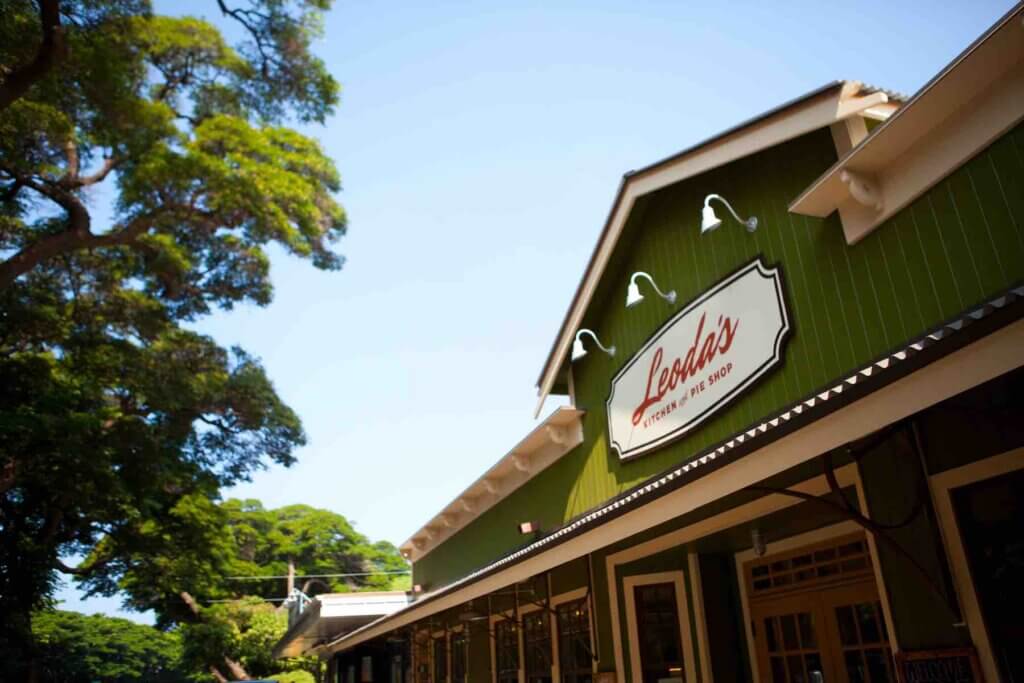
(640, 273)
(707, 200)
(609, 351)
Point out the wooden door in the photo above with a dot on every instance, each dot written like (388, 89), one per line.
(817, 617)
(793, 641)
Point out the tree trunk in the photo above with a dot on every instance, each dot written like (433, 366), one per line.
(217, 675)
(234, 668)
(291, 578)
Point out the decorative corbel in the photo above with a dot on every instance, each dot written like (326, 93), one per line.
(558, 435)
(863, 188)
(521, 462)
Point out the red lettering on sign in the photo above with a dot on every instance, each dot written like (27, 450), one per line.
(668, 378)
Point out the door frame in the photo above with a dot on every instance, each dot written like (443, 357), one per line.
(677, 579)
(942, 486)
(795, 542)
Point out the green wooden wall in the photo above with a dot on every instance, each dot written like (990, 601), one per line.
(960, 243)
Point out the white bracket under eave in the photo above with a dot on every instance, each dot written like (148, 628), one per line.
(521, 462)
(558, 435)
(863, 188)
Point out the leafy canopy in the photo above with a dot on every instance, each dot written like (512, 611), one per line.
(118, 423)
(80, 648)
(221, 617)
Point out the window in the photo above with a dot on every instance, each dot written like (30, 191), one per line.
(421, 657)
(574, 642)
(458, 647)
(398, 659)
(506, 651)
(396, 668)
(657, 621)
(440, 660)
(537, 647)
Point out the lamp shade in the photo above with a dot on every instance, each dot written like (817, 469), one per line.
(577, 350)
(709, 221)
(633, 295)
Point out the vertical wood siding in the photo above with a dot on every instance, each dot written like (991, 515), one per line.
(961, 242)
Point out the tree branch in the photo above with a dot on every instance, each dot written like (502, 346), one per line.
(74, 571)
(51, 49)
(234, 668)
(74, 165)
(74, 238)
(109, 164)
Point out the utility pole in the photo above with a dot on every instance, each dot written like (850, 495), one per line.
(291, 577)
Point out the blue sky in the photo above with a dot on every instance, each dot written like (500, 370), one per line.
(481, 144)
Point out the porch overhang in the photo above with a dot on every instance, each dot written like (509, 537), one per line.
(979, 345)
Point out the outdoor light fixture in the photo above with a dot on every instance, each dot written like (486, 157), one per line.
(528, 527)
(709, 221)
(471, 614)
(577, 346)
(633, 295)
(757, 542)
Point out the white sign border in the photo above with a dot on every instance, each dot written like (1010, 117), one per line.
(775, 274)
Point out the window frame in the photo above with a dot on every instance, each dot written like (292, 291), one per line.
(496, 674)
(582, 593)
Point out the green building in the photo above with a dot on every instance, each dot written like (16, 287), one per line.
(793, 448)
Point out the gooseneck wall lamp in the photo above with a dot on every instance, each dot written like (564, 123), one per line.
(577, 345)
(633, 295)
(709, 221)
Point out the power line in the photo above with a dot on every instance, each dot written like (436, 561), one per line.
(210, 602)
(316, 576)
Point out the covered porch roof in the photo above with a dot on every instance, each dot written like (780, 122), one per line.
(332, 615)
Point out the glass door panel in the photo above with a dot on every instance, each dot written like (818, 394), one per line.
(858, 630)
(657, 617)
(789, 638)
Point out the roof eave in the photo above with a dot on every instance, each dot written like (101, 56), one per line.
(821, 107)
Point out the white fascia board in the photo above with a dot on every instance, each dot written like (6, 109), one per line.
(558, 434)
(335, 605)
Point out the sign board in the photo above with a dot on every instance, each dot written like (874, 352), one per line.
(706, 355)
(955, 665)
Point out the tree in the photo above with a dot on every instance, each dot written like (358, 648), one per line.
(118, 425)
(81, 649)
(246, 631)
(314, 542)
(223, 618)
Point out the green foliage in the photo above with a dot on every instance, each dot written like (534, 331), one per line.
(297, 676)
(77, 648)
(245, 631)
(242, 538)
(317, 541)
(118, 424)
